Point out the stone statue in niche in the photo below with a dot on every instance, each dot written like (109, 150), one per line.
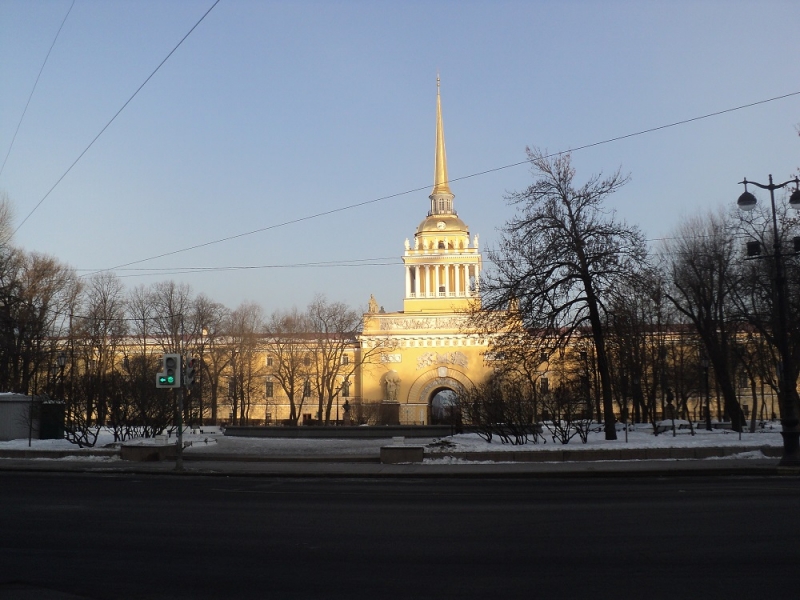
(392, 381)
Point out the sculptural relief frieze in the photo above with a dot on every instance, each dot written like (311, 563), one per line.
(446, 358)
(424, 323)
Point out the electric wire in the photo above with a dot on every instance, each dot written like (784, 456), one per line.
(422, 188)
(363, 262)
(150, 271)
(106, 126)
(35, 83)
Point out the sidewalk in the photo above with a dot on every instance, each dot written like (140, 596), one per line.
(348, 466)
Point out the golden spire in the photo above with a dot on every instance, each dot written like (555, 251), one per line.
(440, 182)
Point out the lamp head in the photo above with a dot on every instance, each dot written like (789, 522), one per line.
(794, 199)
(748, 202)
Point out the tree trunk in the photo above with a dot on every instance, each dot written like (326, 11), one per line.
(602, 363)
(754, 393)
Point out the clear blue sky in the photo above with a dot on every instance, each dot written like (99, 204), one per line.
(276, 111)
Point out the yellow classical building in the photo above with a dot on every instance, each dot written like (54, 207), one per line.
(428, 351)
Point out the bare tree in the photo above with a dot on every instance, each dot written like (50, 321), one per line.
(171, 308)
(702, 270)
(287, 334)
(559, 257)
(245, 328)
(756, 300)
(335, 327)
(46, 290)
(505, 406)
(102, 327)
(153, 410)
(208, 322)
(6, 220)
(11, 299)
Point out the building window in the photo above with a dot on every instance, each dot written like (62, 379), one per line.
(270, 390)
(306, 389)
(545, 356)
(307, 361)
(544, 385)
(269, 361)
(345, 359)
(743, 380)
(346, 389)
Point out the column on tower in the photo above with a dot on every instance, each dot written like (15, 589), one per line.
(458, 279)
(428, 279)
(408, 281)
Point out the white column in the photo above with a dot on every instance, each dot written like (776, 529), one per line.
(447, 279)
(408, 281)
(437, 280)
(458, 279)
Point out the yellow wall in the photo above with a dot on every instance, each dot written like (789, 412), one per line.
(423, 353)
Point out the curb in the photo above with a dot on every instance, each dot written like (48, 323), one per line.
(77, 453)
(524, 457)
(597, 471)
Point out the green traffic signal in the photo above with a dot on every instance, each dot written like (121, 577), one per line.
(170, 376)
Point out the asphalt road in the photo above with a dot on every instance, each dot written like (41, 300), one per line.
(69, 536)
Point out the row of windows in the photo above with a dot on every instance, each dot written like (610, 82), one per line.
(307, 360)
(270, 389)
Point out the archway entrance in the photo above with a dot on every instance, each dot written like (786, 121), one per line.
(433, 382)
(443, 406)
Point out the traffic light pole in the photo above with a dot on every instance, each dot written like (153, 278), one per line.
(179, 461)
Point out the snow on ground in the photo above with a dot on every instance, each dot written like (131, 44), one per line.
(640, 437)
(294, 447)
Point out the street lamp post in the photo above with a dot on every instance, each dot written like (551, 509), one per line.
(704, 364)
(62, 362)
(790, 426)
(52, 379)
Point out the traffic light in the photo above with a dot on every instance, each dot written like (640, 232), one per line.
(191, 365)
(170, 376)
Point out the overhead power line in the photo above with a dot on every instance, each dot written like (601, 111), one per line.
(346, 263)
(361, 262)
(35, 83)
(425, 187)
(106, 126)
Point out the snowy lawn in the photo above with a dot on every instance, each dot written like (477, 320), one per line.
(641, 436)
